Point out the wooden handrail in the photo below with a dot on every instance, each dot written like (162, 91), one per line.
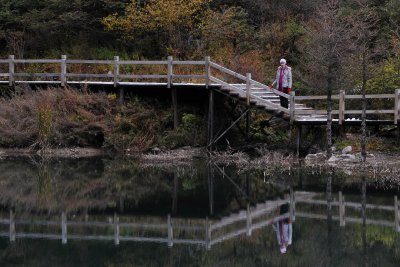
(116, 77)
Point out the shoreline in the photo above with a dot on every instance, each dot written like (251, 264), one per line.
(186, 154)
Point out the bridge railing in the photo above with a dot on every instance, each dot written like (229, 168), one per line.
(116, 72)
(202, 232)
(342, 114)
(63, 71)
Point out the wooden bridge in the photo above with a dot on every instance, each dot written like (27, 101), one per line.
(203, 232)
(172, 74)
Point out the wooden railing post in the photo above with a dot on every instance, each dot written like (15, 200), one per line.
(12, 226)
(397, 107)
(248, 88)
(396, 215)
(116, 229)
(169, 75)
(11, 70)
(170, 232)
(207, 71)
(292, 106)
(63, 76)
(342, 209)
(248, 220)
(342, 106)
(208, 234)
(292, 205)
(116, 70)
(63, 228)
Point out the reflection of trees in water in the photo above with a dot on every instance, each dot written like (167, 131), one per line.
(79, 185)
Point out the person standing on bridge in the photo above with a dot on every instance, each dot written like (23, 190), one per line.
(283, 81)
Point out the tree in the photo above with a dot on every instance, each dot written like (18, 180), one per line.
(324, 48)
(363, 27)
(172, 23)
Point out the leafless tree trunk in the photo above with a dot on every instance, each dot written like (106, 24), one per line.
(16, 43)
(362, 24)
(324, 47)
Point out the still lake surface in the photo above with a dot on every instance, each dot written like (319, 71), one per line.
(119, 212)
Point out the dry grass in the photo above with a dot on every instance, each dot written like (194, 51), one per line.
(51, 117)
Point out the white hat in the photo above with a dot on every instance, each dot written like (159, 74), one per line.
(282, 61)
(283, 250)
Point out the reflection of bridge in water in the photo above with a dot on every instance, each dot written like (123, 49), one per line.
(204, 232)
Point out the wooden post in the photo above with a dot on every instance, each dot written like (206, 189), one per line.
(292, 207)
(175, 107)
(211, 187)
(175, 195)
(63, 76)
(298, 141)
(207, 71)
(170, 232)
(342, 209)
(208, 234)
(116, 71)
(248, 88)
(292, 106)
(169, 69)
(248, 220)
(12, 226)
(11, 70)
(210, 126)
(396, 214)
(116, 229)
(397, 107)
(342, 106)
(63, 228)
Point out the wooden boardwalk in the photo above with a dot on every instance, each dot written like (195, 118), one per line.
(206, 73)
(193, 231)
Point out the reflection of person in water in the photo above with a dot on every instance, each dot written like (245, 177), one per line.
(283, 229)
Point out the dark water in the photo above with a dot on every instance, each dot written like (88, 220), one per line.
(73, 213)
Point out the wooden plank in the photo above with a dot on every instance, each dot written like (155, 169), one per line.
(116, 229)
(80, 61)
(44, 75)
(138, 76)
(248, 220)
(11, 70)
(397, 107)
(169, 72)
(342, 209)
(248, 88)
(396, 214)
(138, 62)
(316, 97)
(63, 74)
(63, 228)
(208, 234)
(190, 76)
(375, 96)
(170, 232)
(189, 62)
(116, 71)
(263, 86)
(58, 61)
(87, 75)
(292, 106)
(342, 106)
(207, 71)
(369, 112)
(227, 71)
(313, 112)
(12, 226)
